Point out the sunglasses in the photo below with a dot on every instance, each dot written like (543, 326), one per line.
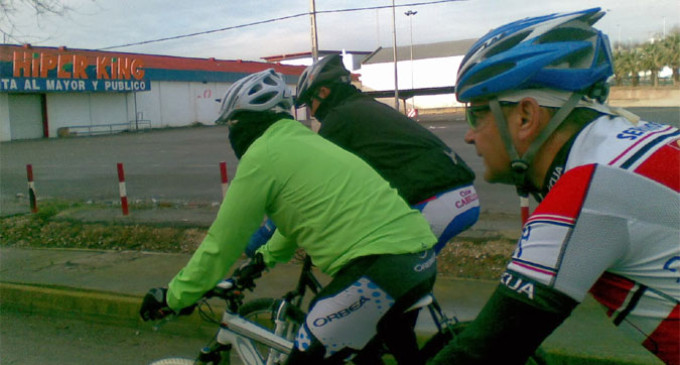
(475, 112)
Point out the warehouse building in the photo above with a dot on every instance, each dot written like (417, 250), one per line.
(46, 92)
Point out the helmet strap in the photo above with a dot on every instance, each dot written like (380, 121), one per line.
(552, 126)
(520, 164)
(517, 164)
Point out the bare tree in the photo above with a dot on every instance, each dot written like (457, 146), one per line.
(10, 8)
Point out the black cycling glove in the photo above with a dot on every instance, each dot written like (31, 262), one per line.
(250, 270)
(155, 305)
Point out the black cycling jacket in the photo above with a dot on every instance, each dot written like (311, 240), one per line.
(415, 161)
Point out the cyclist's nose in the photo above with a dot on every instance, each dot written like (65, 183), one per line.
(469, 136)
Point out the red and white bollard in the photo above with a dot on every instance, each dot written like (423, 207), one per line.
(413, 113)
(225, 178)
(31, 189)
(122, 190)
(524, 207)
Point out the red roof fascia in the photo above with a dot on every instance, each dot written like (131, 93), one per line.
(159, 61)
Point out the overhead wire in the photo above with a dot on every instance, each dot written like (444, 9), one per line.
(274, 20)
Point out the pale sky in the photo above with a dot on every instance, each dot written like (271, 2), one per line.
(97, 24)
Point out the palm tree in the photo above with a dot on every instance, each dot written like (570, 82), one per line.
(671, 54)
(653, 60)
(621, 69)
(628, 62)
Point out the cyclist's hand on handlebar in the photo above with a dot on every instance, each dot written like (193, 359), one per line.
(250, 270)
(155, 306)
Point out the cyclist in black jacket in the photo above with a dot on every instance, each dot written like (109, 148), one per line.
(426, 172)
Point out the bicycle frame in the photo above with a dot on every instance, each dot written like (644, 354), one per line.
(239, 334)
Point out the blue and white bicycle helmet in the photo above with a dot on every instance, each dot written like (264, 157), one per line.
(259, 92)
(556, 51)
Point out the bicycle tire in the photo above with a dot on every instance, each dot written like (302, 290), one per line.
(262, 312)
(174, 361)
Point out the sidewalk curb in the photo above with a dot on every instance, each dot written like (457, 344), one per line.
(86, 304)
(97, 306)
(122, 309)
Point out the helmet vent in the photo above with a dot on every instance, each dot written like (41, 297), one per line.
(490, 72)
(269, 81)
(254, 89)
(565, 35)
(264, 98)
(507, 44)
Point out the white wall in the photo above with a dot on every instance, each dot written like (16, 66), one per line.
(64, 110)
(5, 131)
(166, 104)
(179, 103)
(85, 109)
(351, 61)
(432, 72)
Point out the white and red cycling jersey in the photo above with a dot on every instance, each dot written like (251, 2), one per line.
(610, 225)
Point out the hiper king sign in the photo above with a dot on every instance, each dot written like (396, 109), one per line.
(45, 72)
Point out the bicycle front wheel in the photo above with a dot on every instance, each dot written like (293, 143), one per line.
(173, 361)
(262, 311)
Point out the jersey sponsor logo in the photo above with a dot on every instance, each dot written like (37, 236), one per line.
(556, 174)
(673, 265)
(634, 133)
(526, 232)
(518, 285)
(425, 265)
(322, 321)
(467, 197)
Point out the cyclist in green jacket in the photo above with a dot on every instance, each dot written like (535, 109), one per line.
(330, 203)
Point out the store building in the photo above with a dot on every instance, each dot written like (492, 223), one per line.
(46, 92)
(423, 66)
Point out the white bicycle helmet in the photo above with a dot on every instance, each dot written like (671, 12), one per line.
(259, 92)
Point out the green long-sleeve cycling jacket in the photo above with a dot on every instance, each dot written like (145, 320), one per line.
(321, 198)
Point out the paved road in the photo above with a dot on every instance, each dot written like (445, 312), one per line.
(182, 165)
(55, 340)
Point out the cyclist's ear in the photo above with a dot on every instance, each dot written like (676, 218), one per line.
(323, 92)
(532, 118)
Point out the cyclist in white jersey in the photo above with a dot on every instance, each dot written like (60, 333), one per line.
(608, 221)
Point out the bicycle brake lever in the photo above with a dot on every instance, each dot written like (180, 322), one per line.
(162, 322)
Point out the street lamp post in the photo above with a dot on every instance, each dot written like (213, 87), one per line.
(408, 14)
(315, 39)
(394, 55)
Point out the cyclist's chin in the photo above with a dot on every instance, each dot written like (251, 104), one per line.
(497, 177)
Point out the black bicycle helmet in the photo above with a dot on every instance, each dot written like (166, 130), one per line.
(328, 70)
